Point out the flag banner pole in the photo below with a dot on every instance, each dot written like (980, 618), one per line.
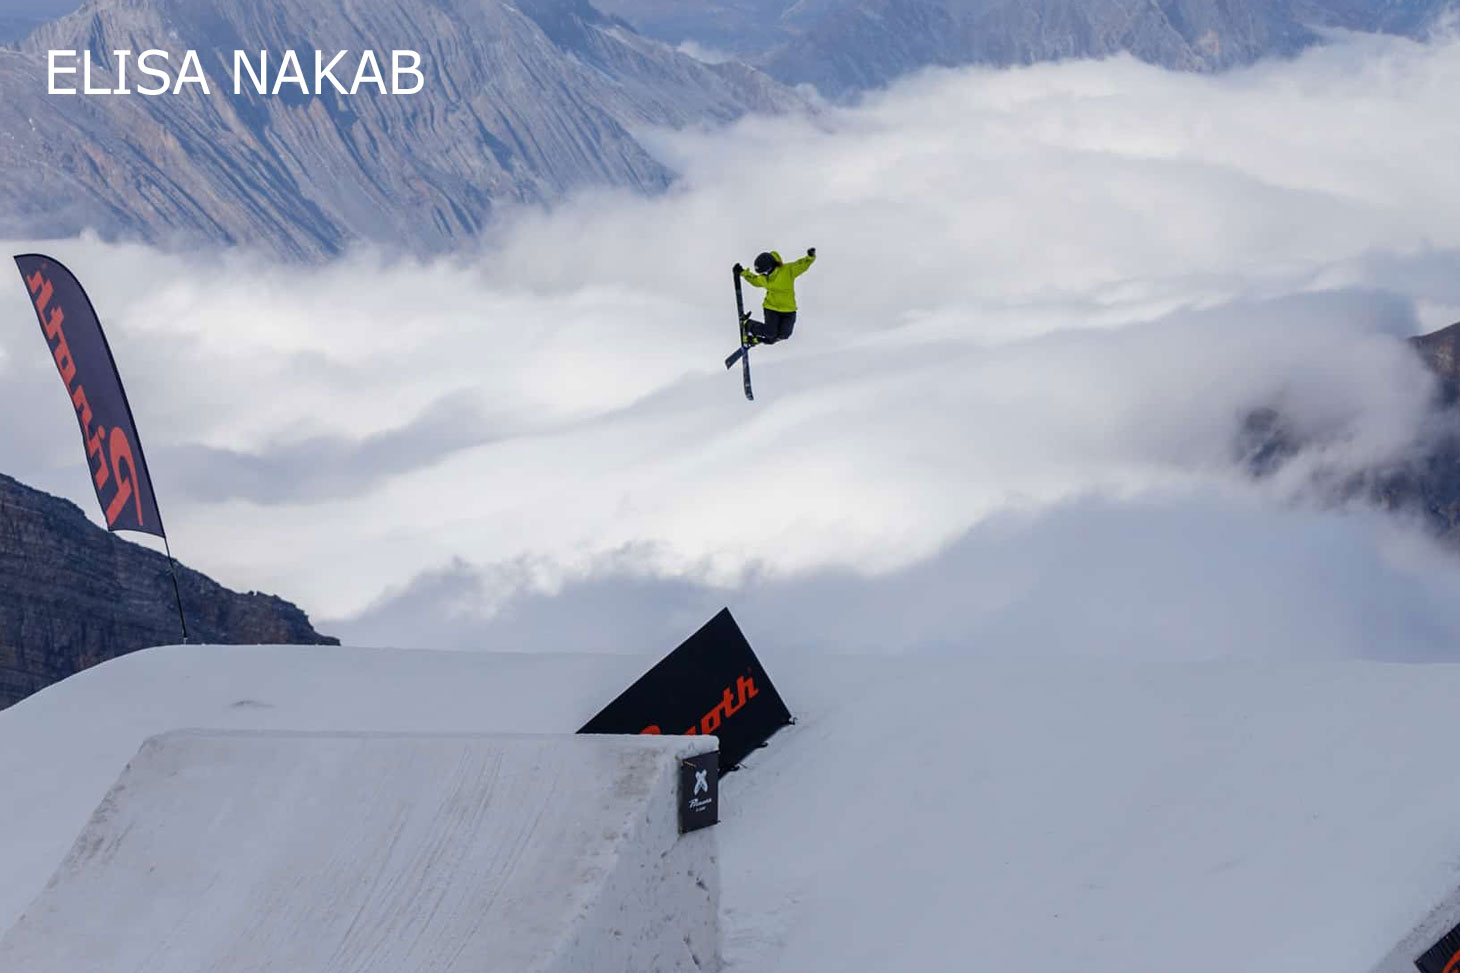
(79, 349)
(177, 591)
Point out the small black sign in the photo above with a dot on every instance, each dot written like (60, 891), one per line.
(711, 684)
(1443, 956)
(699, 792)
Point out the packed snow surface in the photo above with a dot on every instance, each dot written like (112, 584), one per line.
(928, 812)
(383, 853)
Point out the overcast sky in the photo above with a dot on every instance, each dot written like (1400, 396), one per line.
(1045, 300)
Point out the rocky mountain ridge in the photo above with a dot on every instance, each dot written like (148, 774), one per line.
(522, 102)
(72, 595)
(871, 42)
(846, 46)
(1424, 484)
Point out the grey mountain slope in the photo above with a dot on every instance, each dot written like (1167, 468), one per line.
(522, 103)
(864, 44)
(843, 46)
(1409, 18)
(745, 28)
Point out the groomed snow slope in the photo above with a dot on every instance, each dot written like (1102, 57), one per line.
(929, 812)
(383, 853)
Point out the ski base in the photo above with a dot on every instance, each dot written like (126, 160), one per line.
(741, 354)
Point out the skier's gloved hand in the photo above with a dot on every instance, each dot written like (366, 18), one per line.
(739, 269)
(810, 251)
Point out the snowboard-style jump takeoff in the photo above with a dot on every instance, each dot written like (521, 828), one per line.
(779, 282)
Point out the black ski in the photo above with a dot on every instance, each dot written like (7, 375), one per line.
(743, 352)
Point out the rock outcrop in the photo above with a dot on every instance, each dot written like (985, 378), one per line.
(1425, 484)
(73, 594)
(1430, 483)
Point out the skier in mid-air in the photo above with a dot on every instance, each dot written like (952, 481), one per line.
(779, 281)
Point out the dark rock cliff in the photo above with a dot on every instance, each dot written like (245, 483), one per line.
(73, 595)
(1430, 484)
(1441, 351)
(1425, 484)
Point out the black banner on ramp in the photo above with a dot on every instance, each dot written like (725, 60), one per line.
(711, 684)
(1443, 956)
(76, 342)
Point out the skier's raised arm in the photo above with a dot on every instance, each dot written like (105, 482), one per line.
(757, 279)
(799, 267)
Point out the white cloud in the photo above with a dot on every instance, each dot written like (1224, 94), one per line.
(1040, 291)
(1183, 574)
(703, 52)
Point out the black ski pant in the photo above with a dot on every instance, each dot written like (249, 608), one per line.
(777, 326)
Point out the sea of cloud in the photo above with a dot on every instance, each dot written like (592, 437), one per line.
(1009, 420)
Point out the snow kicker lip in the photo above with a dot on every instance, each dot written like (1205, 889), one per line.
(1442, 957)
(384, 853)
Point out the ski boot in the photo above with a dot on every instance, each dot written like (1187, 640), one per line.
(747, 337)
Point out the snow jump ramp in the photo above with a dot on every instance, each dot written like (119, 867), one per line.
(349, 853)
(1405, 956)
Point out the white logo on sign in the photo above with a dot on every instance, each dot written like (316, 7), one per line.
(701, 783)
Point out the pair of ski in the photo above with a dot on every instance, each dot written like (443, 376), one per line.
(741, 354)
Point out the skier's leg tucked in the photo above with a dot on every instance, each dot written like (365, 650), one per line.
(778, 326)
(785, 323)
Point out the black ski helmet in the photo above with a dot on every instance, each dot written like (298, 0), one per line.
(765, 263)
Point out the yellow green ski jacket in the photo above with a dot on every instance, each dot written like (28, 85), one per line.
(780, 284)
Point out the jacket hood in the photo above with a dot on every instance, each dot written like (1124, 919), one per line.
(777, 256)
